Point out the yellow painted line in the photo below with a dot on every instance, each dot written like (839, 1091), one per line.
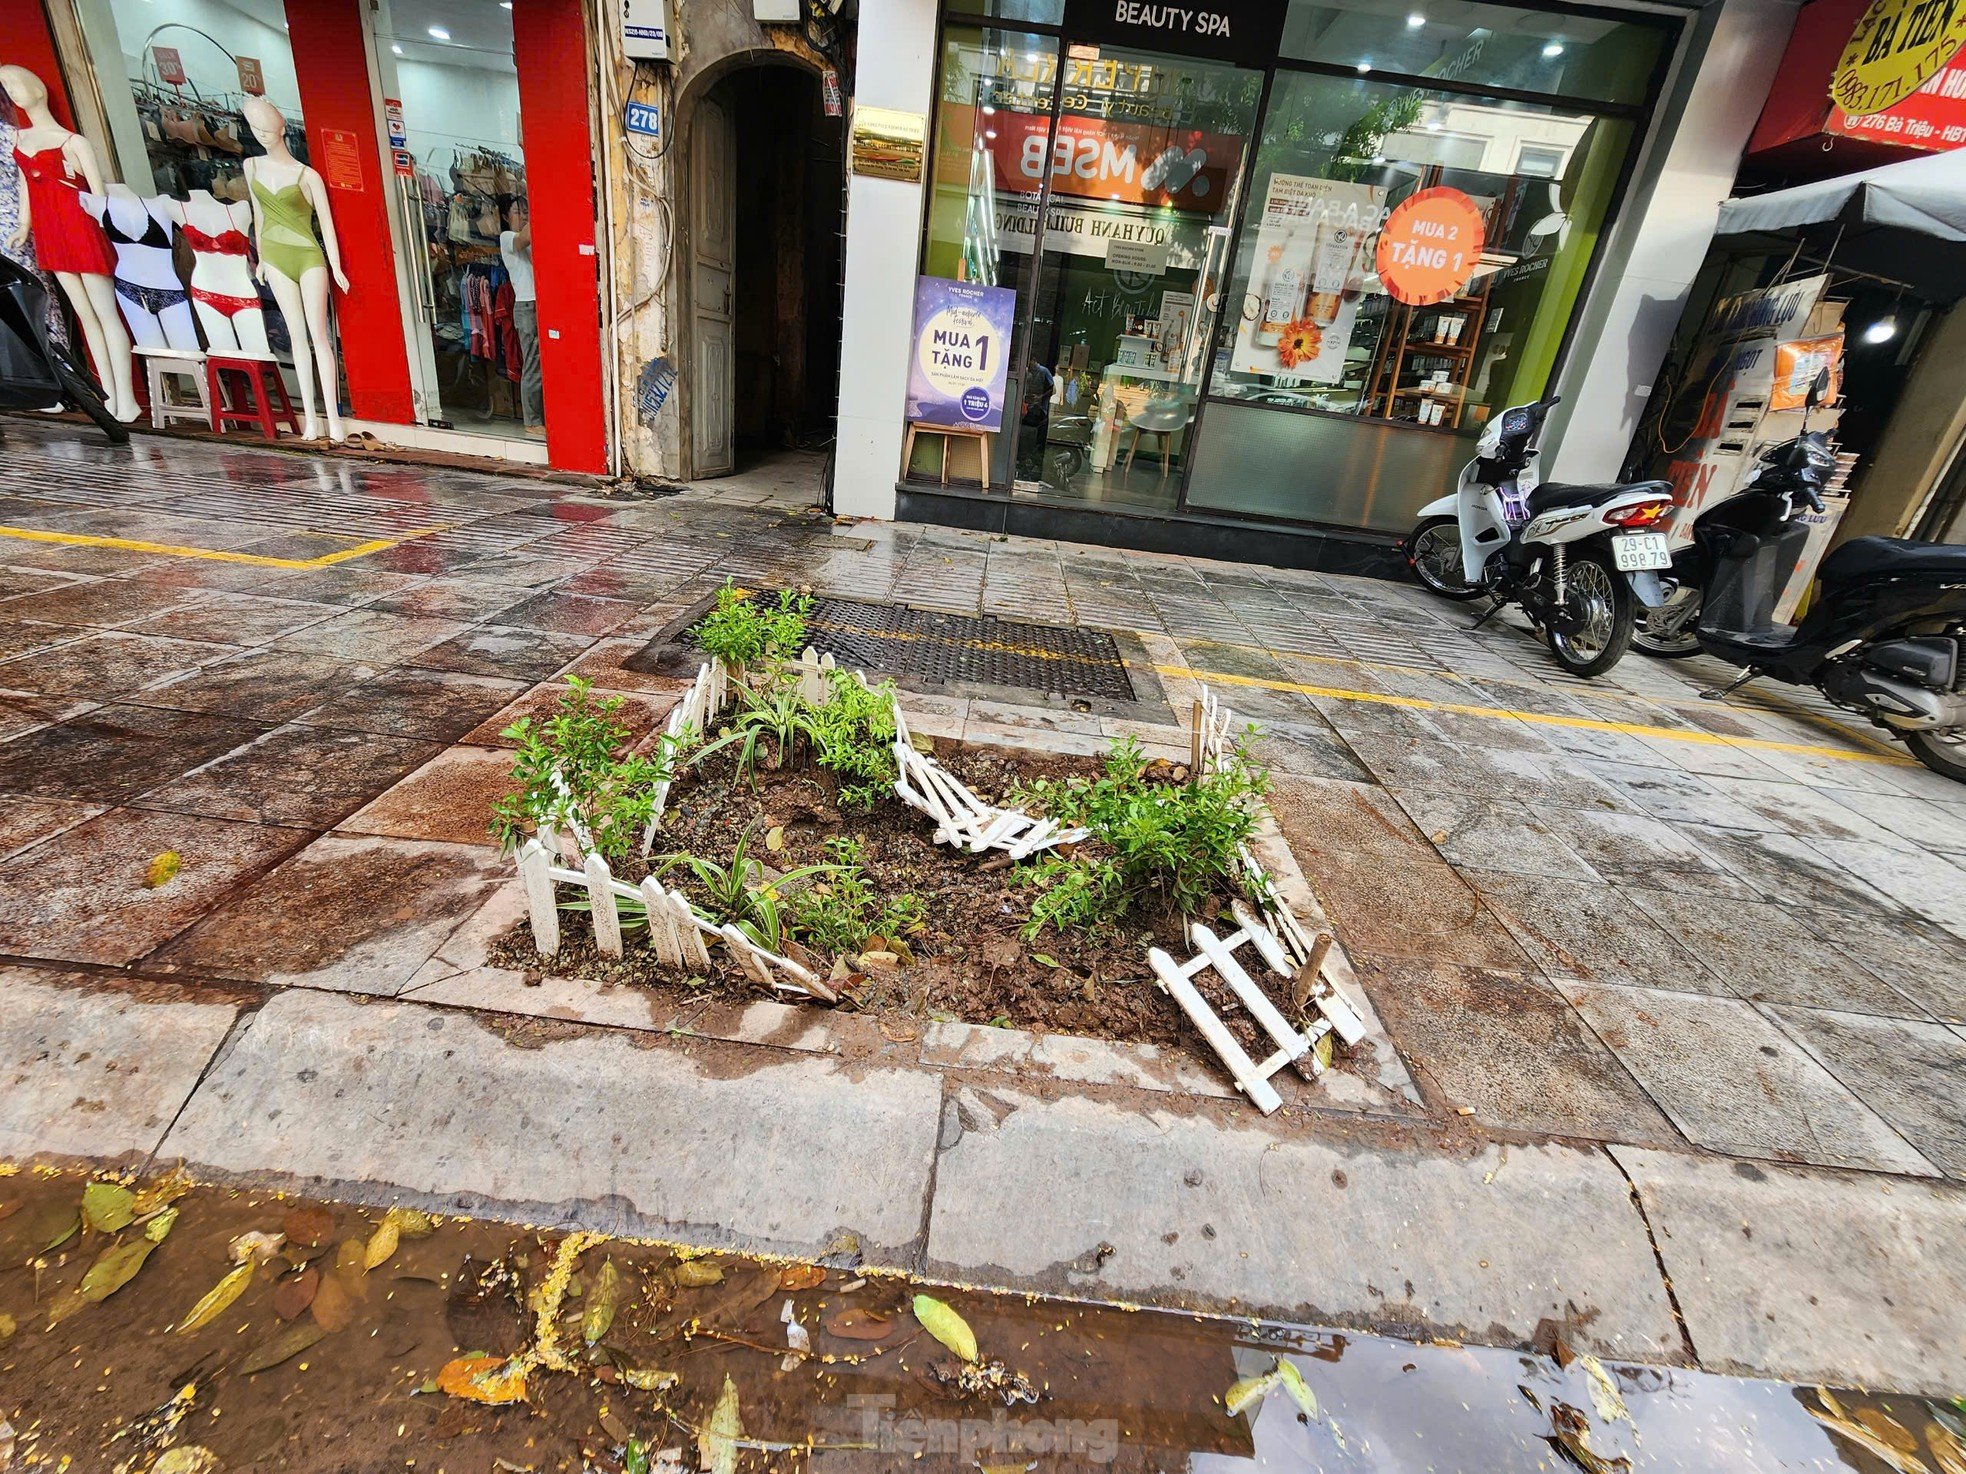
(215, 555)
(1503, 713)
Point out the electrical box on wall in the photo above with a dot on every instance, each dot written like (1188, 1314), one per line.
(775, 12)
(645, 30)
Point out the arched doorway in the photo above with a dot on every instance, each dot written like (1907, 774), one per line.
(763, 271)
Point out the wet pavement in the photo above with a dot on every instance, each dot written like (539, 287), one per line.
(149, 1323)
(1622, 932)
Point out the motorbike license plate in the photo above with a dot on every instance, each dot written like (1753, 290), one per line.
(1636, 552)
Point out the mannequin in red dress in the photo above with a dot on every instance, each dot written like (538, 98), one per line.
(55, 164)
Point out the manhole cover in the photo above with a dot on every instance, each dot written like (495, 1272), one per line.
(896, 640)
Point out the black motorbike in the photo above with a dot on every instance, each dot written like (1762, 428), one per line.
(1885, 635)
(35, 371)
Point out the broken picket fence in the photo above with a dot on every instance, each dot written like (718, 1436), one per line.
(1272, 929)
(961, 818)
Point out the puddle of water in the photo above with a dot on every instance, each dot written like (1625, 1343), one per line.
(104, 1388)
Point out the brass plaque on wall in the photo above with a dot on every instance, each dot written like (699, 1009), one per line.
(888, 144)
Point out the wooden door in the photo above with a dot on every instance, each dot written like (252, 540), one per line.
(713, 227)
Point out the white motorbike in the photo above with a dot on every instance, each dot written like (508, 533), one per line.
(1574, 557)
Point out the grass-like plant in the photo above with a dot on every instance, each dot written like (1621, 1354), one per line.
(1176, 841)
(575, 772)
(736, 894)
(744, 630)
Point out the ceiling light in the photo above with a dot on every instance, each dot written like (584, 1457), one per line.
(1364, 67)
(1883, 330)
(438, 33)
(1415, 21)
(395, 48)
(1553, 50)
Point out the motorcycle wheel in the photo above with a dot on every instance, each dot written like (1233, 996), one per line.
(1067, 461)
(81, 392)
(1433, 552)
(1668, 644)
(1604, 599)
(1944, 752)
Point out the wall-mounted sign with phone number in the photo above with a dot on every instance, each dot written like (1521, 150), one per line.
(956, 377)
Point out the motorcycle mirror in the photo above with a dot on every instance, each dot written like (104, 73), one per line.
(1818, 389)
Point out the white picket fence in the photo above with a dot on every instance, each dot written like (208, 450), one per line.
(961, 818)
(677, 931)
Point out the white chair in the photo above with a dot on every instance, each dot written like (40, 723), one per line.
(1165, 416)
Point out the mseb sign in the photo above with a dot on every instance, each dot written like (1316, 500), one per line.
(1247, 32)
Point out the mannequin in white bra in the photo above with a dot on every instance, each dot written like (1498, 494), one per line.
(153, 301)
(55, 164)
(289, 201)
(222, 290)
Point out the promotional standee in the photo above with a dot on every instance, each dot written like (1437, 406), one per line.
(288, 197)
(222, 293)
(55, 164)
(957, 376)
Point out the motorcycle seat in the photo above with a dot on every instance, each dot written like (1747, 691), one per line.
(1889, 557)
(1553, 494)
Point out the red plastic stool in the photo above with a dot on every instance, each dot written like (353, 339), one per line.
(258, 387)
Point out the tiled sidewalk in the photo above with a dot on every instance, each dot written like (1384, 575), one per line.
(1606, 910)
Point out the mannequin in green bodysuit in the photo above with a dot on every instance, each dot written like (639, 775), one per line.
(289, 200)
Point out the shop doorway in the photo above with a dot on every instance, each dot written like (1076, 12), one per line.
(765, 172)
(449, 90)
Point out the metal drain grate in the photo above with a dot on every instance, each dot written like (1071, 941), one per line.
(894, 639)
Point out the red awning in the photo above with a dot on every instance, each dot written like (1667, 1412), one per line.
(1802, 132)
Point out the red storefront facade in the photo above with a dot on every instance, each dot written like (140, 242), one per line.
(412, 374)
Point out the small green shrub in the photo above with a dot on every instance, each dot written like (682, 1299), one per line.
(852, 735)
(601, 788)
(743, 631)
(839, 911)
(1173, 840)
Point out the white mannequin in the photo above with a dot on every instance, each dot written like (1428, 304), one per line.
(92, 295)
(230, 328)
(145, 264)
(303, 302)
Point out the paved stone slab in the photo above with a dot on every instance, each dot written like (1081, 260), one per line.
(960, 1046)
(80, 896)
(1763, 952)
(1510, 1047)
(1735, 1083)
(450, 798)
(1845, 1278)
(1206, 1211)
(1911, 1074)
(560, 1124)
(1587, 931)
(351, 913)
(93, 1070)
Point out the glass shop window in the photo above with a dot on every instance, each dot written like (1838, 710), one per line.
(173, 76)
(1559, 53)
(1412, 256)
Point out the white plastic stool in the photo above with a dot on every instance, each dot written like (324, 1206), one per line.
(166, 372)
